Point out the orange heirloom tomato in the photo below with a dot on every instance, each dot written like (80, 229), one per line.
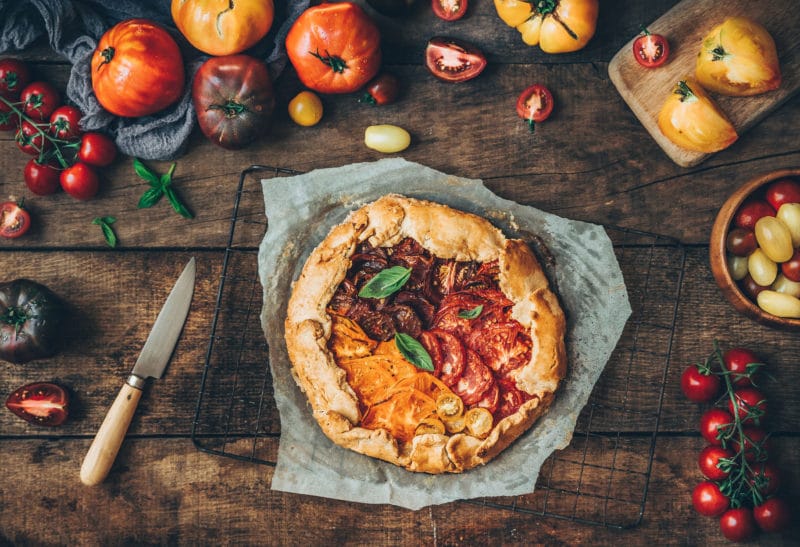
(335, 48)
(690, 119)
(738, 58)
(556, 26)
(222, 27)
(137, 69)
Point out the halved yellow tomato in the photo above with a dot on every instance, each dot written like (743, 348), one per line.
(556, 26)
(690, 119)
(738, 58)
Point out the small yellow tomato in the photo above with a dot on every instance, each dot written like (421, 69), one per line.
(738, 58)
(690, 119)
(305, 109)
(387, 138)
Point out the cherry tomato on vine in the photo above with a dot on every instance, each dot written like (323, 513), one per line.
(735, 361)
(9, 121)
(699, 387)
(766, 477)
(383, 89)
(449, 10)
(713, 423)
(30, 139)
(773, 515)
(14, 76)
(14, 220)
(709, 462)
(783, 191)
(64, 122)
(535, 104)
(737, 524)
(97, 149)
(80, 181)
(650, 50)
(306, 109)
(750, 403)
(39, 100)
(756, 444)
(708, 500)
(41, 178)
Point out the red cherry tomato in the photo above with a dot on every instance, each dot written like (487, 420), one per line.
(64, 122)
(709, 462)
(741, 242)
(750, 211)
(756, 444)
(535, 104)
(41, 403)
(30, 139)
(737, 524)
(713, 423)
(14, 220)
(708, 500)
(750, 287)
(751, 405)
(783, 191)
(774, 515)
(650, 50)
(697, 386)
(766, 477)
(791, 268)
(80, 181)
(97, 149)
(383, 89)
(39, 100)
(449, 10)
(41, 179)
(14, 76)
(735, 360)
(452, 60)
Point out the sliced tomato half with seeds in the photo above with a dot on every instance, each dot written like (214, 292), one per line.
(40, 403)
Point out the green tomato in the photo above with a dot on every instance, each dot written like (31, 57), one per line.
(387, 138)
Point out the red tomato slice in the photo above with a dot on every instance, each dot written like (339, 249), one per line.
(14, 220)
(651, 50)
(449, 10)
(41, 403)
(476, 380)
(535, 104)
(490, 399)
(453, 357)
(452, 60)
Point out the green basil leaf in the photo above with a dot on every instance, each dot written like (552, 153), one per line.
(108, 232)
(145, 172)
(176, 203)
(386, 282)
(150, 198)
(413, 351)
(471, 314)
(166, 178)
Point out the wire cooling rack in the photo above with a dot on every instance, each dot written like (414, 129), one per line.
(601, 478)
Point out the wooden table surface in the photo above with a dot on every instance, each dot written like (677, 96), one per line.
(591, 161)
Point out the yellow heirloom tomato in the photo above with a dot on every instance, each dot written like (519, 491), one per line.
(222, 27)
(690, 119)
(738, 58)
(556, 26)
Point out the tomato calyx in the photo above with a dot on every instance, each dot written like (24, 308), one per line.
(337, 64)
(719, 53)
(685, 92)
(108, 55)
(231, 109)
(545, 6)
(15, 317)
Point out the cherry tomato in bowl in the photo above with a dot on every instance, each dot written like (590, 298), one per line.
(40, 403)
(97, 149)
(650, 50)
(535, 104)
(453, 60)
(785, 190)
(14, 220)
(449, 10)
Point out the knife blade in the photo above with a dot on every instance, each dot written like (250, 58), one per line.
(152, 361)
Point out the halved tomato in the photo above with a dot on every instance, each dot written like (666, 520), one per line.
(449, 10)
(453, 60)
(41, 403)
(690, 119)
(14, 220)
(535, 104)
(651, 50)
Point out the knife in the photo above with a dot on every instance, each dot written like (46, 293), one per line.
(151, 363)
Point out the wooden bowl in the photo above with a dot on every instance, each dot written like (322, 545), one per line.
(718, 254)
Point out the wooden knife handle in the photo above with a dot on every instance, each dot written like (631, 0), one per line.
(106, 444)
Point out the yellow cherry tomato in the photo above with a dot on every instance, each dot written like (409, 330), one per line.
(690, 119)
(387, 138)
(305, 109)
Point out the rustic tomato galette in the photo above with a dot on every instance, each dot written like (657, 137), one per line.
(423, 337)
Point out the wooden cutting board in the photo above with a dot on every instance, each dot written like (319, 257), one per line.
(684, 26)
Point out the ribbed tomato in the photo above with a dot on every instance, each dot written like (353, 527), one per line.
(556, 26)
(334, 47)
(222, 27)
(137, 69)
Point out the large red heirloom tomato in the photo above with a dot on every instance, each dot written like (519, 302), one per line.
(137, 69)
(222, 27)
(234, 99)
(335, 48)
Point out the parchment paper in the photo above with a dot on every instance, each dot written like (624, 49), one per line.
(300, 212)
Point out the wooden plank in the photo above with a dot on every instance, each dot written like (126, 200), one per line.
(171, 492)
(685, 26)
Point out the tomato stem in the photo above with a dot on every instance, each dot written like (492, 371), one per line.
(57, 143)
(14, 316)
(336, 63)
(231, 109)
(107, 54)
